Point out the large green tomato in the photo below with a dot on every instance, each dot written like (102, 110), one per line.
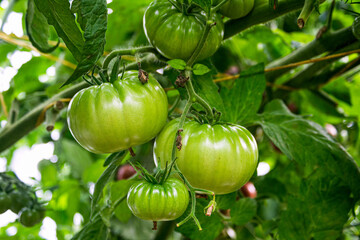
(158, 202)
(113, 117)
(176, 34)
(219, 158)
(236, 8)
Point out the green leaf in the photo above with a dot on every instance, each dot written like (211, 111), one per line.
(177, 64)
(93, 172)
(48, 172)
(226, 201)
(113, 157)
(308, 144)
(200, 69)
(204, 4)
(27, 78)
(207, 89)
(58, 14)
(243, 211)
(95, 230)
(38, 29)
(78, 158)
(107, 176)
(243, 100)
(94, 26)
(319, 210)
(66, 198)
(119, 190)
(211, 226)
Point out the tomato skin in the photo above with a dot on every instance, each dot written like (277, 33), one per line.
(29, 217)
(235, 9)
(176, 35)
(113, 117)
(157, 202)
(218, 158)
(5, 202)
(249, 190)
(18, 201)
(126, 171)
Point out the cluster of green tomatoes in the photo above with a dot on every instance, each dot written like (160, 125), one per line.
(111, 117)
(21, 201)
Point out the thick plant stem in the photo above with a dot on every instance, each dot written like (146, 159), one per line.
(305, 13)
(261, 13)
(329, 42)
(131, 51)
(195, 97)
(201, 44)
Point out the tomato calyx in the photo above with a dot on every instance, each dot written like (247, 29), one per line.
(159, 178)
(210, 208)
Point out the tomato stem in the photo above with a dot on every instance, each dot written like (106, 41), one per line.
(172, 108)
(130, 51)
(193, 95)
(201, 44)
(305, 13)
(175, 4)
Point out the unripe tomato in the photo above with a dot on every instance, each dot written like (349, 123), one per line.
(5, 202)
(249, 190)
(219, 158)
(158, 202)
(236, 8)
(176, 34)
(116, 116)
(356, 28)
(19, 201)
(126, 171)
(29, 217)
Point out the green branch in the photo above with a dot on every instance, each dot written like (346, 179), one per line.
(261, 13)
(328, 42)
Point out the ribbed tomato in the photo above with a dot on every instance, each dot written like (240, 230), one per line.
(219, 158)
(236, 8)
(158, 202)
(116, 116)
(175, 34)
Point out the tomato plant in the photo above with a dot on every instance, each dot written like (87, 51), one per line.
(116, 116)
(219, 158)
(158, 202)
(176, 34)
(126, 171)
(5, 202)
(249, 190)
(30, 217)
(106, 77)
(18, 201)
(236, 8)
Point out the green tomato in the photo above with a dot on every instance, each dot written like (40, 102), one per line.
(158, 202)
(29, 217)
(219, 158)
(236, 8)
(19, 200)
(113, 117)
(175, 34)
(5, 202)
(356, 28)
